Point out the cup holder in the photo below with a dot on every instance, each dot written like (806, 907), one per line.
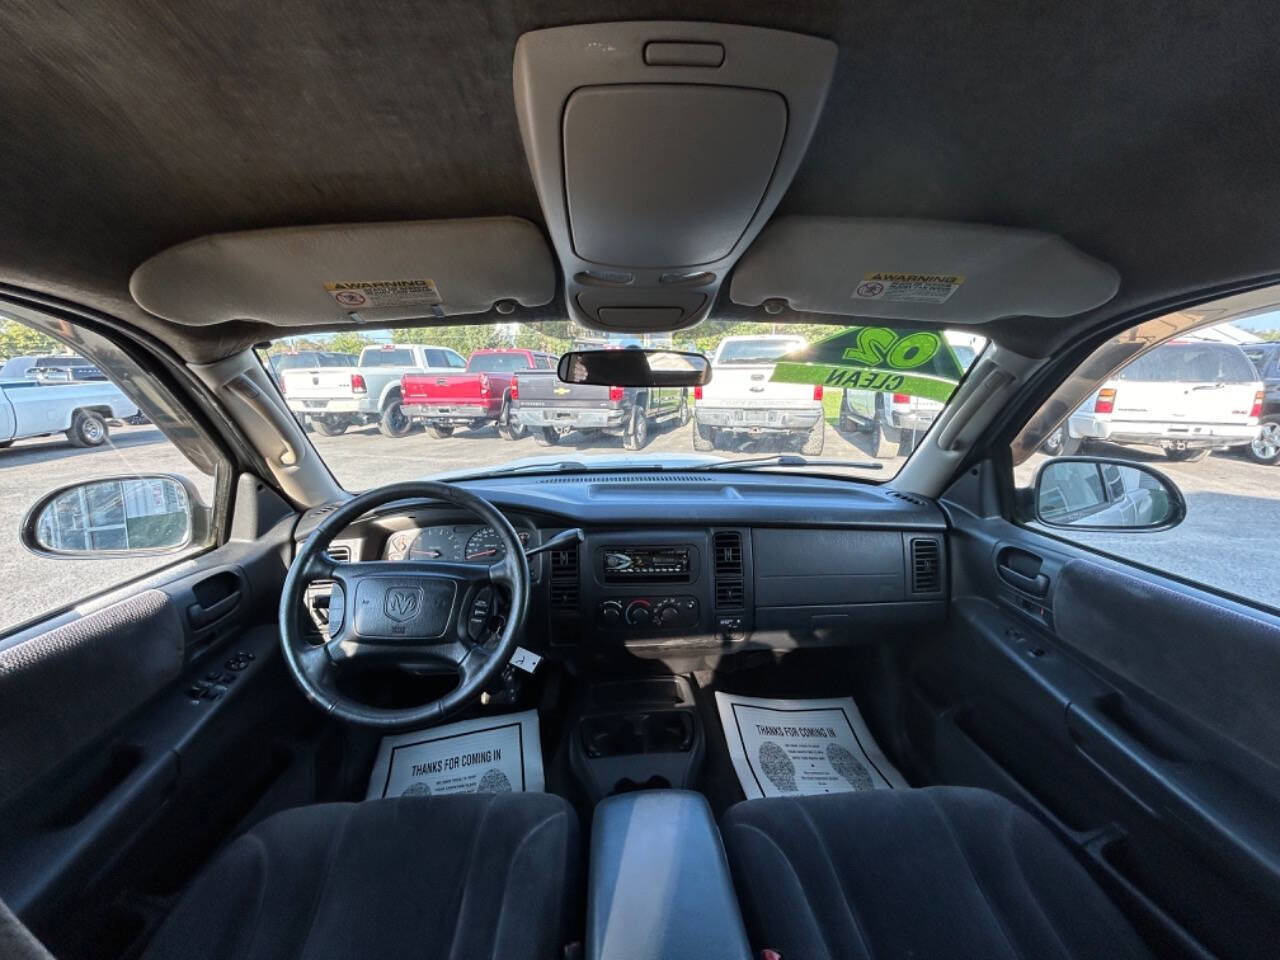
(621, 735)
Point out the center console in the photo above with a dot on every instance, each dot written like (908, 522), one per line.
(651, 586)
(659, 886)
(636, 735)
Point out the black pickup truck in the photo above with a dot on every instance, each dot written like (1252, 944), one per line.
(551, 409)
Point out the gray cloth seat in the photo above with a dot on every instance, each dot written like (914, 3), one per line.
(939, 872)
(455, 876)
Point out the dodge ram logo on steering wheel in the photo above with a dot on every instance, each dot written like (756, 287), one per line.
(403, 603)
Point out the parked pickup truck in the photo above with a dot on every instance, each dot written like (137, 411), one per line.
(29, 408)
(51, 368)
(740, 402)
(335, 398)
(1188, 397)
(479, 396)
(895, 422)
(551, 409)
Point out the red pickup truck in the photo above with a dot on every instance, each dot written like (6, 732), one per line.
(480, 396)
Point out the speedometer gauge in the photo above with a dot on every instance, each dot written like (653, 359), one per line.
(485, 544)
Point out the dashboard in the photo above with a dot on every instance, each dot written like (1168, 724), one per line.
(690, 564)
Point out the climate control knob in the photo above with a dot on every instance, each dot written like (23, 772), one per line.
(639, 613)
(611, 612)
(668, 614)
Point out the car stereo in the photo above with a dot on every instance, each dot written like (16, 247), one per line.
(646, 564)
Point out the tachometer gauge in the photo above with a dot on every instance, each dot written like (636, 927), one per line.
(485, 544)
(434, 543)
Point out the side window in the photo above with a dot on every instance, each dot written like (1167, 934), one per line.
(455, 360)
(436, 358)
(102, 485)
(1193, 406)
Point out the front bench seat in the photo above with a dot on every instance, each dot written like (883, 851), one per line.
(937, 872)
(462, 876)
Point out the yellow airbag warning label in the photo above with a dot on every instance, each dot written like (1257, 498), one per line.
(908, 287)
(372, 294)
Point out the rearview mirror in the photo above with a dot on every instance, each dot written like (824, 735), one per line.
(117, 517)
(1086, 493)
(635, 368)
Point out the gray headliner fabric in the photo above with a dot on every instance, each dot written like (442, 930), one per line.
(1200, 657)
(62, 689)
(1142, 133)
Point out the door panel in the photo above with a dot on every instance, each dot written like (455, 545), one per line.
(140, 735)
(60, 687)
(1135, 715)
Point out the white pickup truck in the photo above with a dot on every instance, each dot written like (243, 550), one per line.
(29, 408)
(741, 403)
(895, 422)
(335, 398)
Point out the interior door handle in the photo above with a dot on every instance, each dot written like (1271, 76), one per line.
(203, 616)
(1037, 586)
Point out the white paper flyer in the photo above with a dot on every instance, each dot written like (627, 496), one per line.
(800, 747)
(487, 755)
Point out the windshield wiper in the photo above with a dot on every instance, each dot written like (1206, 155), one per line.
(787, 460)
(554, 466)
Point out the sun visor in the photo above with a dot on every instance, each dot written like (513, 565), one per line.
(949, 273)
(369, 272)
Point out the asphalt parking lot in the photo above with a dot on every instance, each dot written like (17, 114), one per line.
(1227, 541)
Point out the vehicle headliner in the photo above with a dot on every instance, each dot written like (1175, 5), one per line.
(1144, 134)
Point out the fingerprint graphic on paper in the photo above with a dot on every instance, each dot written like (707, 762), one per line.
(777, 767)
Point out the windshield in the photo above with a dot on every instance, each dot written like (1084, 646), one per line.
(304, 361)
(498, 362)
(387, 357)
(1191, 363)
(784, 391)
(756, 351)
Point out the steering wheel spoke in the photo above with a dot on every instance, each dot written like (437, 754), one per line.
(316, 662)
(504, 572)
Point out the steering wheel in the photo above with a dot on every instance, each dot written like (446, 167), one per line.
(426, 613)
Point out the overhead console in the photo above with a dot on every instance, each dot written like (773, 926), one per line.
(659, 150)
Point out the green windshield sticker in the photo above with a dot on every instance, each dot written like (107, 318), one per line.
(919, 363)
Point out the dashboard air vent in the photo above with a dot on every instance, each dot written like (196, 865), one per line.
(926, 566)
(565, 589)
(730, 589)
(728, 551)
(729, 595)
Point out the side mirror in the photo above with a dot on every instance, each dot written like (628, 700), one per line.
(1087, 493)
(634, 368)
(117, 517)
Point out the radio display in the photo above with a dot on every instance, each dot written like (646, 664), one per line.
(645, 564)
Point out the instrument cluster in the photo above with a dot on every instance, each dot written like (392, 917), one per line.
(466, 542)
